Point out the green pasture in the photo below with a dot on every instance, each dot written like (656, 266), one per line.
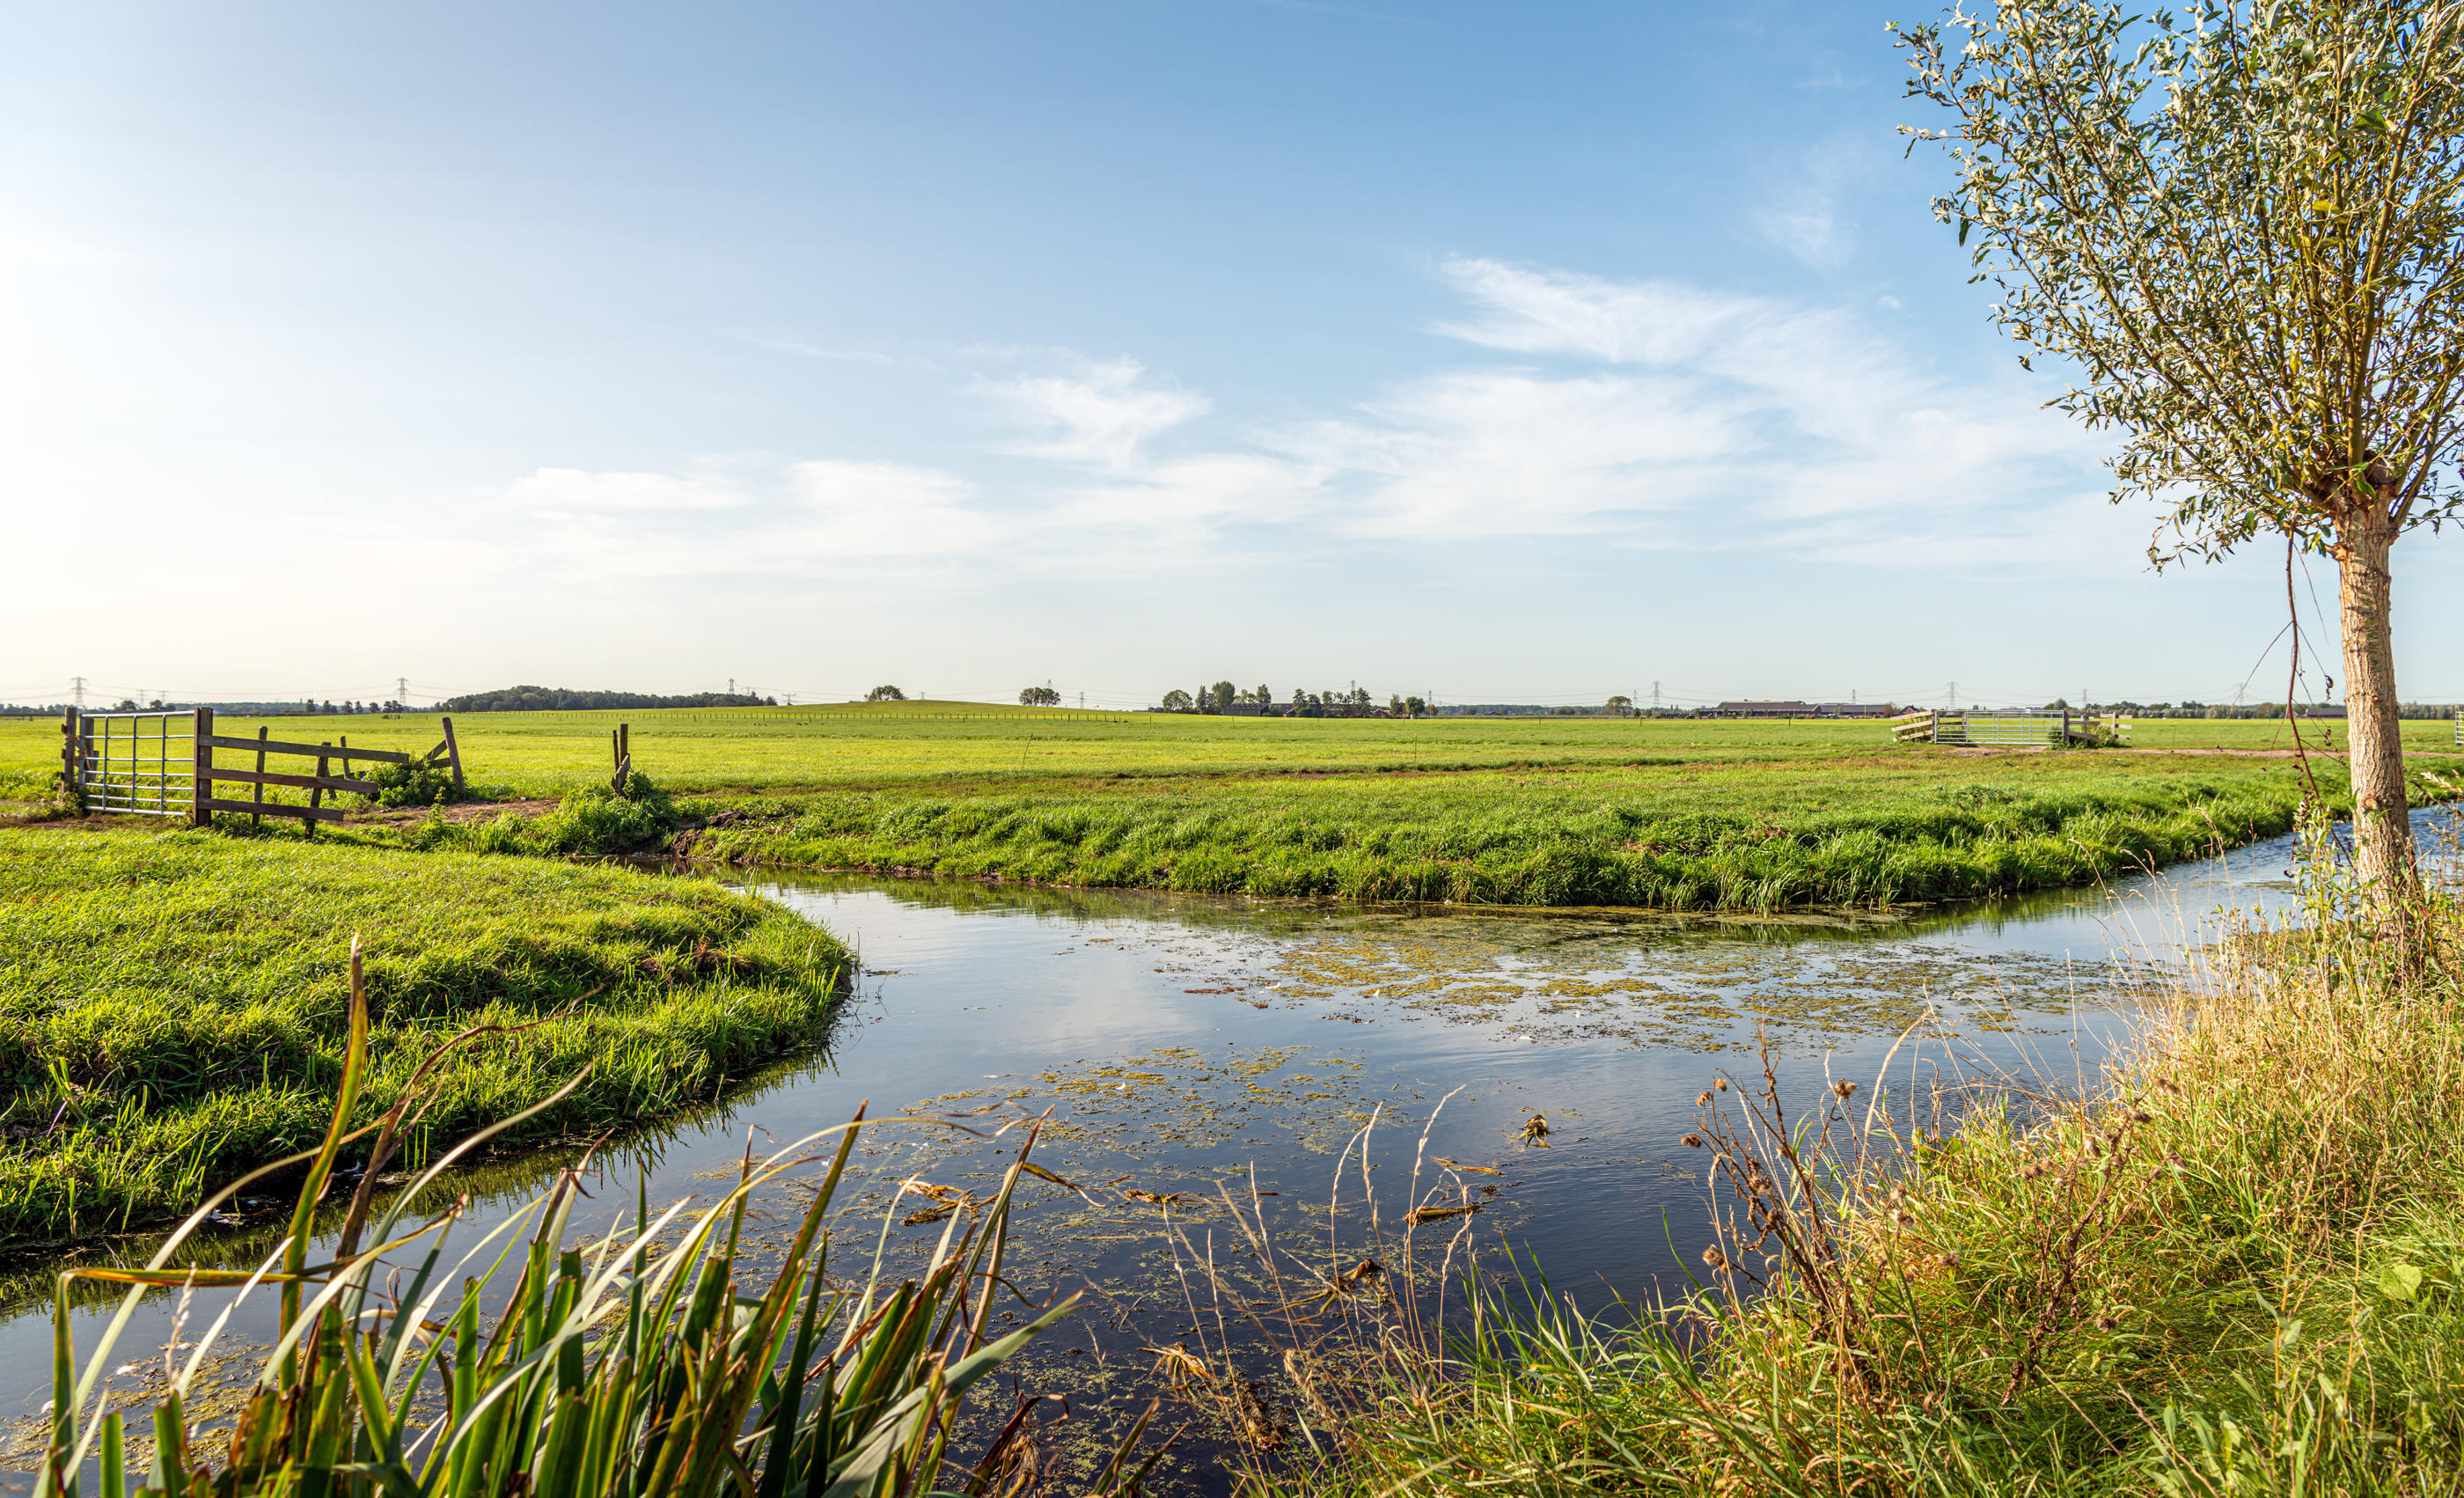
(173, 1009)
(1531, 811)
(862, 745)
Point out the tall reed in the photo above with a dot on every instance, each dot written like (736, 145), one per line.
(638, 1365)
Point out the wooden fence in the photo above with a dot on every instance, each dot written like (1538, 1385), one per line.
(2060, 726)
(123, 764)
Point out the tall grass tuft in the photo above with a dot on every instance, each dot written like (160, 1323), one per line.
(638, 1365)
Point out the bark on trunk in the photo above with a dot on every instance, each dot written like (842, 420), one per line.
(2382, 825)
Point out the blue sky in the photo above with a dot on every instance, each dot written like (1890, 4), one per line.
(1527, 353)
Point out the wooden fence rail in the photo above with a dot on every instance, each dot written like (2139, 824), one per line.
(133, 772)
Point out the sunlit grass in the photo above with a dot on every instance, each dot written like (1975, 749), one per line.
(175, 1005)
(545, 754)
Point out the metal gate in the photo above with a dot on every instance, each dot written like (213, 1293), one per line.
(2001, 727)
(126, 763)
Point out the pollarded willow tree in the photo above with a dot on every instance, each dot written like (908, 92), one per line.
(2240, 225)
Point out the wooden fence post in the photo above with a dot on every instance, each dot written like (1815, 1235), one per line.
(71, 781)
(315, 797)
(258, 819)
(201, 779)
(453, 752)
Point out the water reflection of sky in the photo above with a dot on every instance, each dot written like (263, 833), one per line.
(1180, 1041)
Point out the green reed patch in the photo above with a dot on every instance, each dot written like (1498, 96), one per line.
(172, 1008)
(1752, 837)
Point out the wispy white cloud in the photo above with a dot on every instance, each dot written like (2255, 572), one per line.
(823, 518)
(1646, 414)
(573, 491)
(1101, 418)
(1677, 416)
(1804, 213)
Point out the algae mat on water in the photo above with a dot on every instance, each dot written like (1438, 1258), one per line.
(175, 1005)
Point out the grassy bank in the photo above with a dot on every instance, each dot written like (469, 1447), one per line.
(1751, 836)
(2239, 1271)
(172, 1008)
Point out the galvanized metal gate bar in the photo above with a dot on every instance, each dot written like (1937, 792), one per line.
(123, 762)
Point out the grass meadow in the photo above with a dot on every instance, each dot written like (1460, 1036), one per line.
(862, 746)
(173, 1009)
(1682, 813)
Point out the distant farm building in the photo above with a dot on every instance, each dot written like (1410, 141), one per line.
(1805, 710)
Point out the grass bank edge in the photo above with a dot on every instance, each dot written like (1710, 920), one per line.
(1574, 844)
(2237, 1267)
(1963, 841)
(172, 1007)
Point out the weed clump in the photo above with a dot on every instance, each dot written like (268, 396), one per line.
(593, 820)
(415, 783)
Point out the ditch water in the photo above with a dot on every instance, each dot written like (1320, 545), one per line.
(1179, 1044)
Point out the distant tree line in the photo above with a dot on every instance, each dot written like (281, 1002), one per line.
(560, 699)
(1223, 699)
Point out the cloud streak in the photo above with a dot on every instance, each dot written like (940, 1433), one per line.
(1647, 413)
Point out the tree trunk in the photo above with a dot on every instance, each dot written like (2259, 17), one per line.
(2382, 825)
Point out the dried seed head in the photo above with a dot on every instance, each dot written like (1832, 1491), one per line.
(1905, 1219)
(1703, 1097)
(1721, 1082)
(1950, 1261)
(2142, 1115)
(1845, 1089)
(2106, 1323)
(1692, 1142)
(1718, 1260)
